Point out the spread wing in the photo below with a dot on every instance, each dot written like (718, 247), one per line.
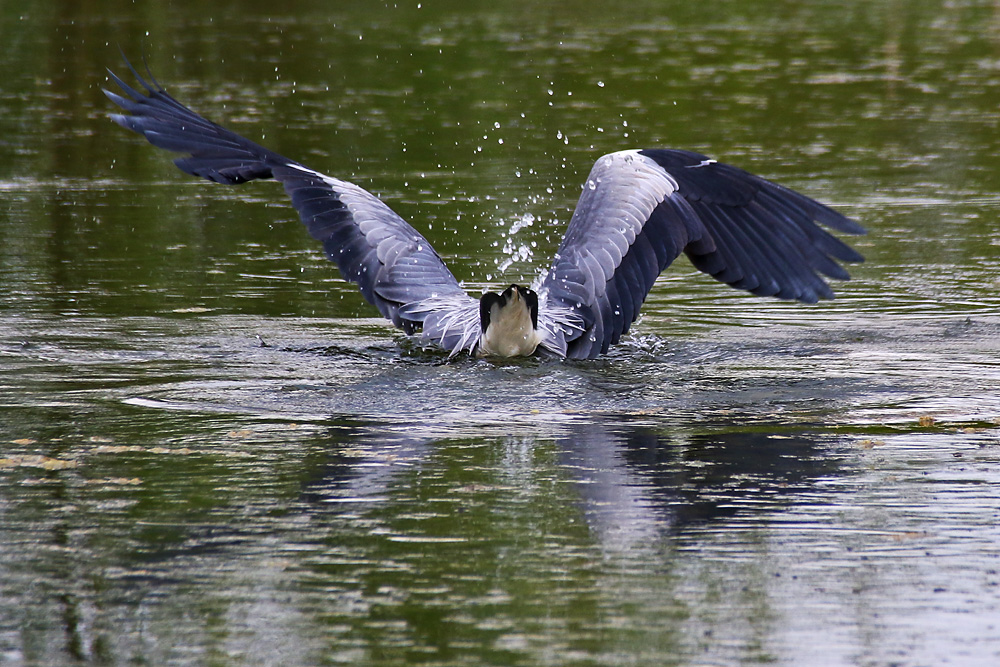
(396, 268)
(641, 209)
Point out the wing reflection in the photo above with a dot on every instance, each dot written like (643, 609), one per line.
(636, 482)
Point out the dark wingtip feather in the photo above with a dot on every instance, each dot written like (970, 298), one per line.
(114, 97)
(149, 73)
(129, 90)
(138, 77)
(128, 122)
(836, 220)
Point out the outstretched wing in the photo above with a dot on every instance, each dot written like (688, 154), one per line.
(640, 209)
(396, 268)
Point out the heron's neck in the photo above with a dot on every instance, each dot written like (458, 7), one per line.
(510, 332)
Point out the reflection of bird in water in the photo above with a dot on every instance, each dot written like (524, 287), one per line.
(639, 210)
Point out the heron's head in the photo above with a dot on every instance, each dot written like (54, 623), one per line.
(515, 297)
(509, 322)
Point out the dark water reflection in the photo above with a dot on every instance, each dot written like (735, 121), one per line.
(209, 455)
(636, 474)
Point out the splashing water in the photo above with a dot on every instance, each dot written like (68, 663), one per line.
(514, 251)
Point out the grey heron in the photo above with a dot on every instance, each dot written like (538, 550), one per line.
(638, 211)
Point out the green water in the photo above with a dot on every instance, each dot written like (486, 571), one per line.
(211, 453)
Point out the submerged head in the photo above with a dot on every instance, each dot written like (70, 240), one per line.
(509, 322)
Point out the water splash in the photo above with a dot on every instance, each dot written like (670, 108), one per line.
(515, 251)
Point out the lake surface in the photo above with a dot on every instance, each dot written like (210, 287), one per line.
(212, 453)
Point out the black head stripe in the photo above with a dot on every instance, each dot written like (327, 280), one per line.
(532, 299)
(486, 302)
